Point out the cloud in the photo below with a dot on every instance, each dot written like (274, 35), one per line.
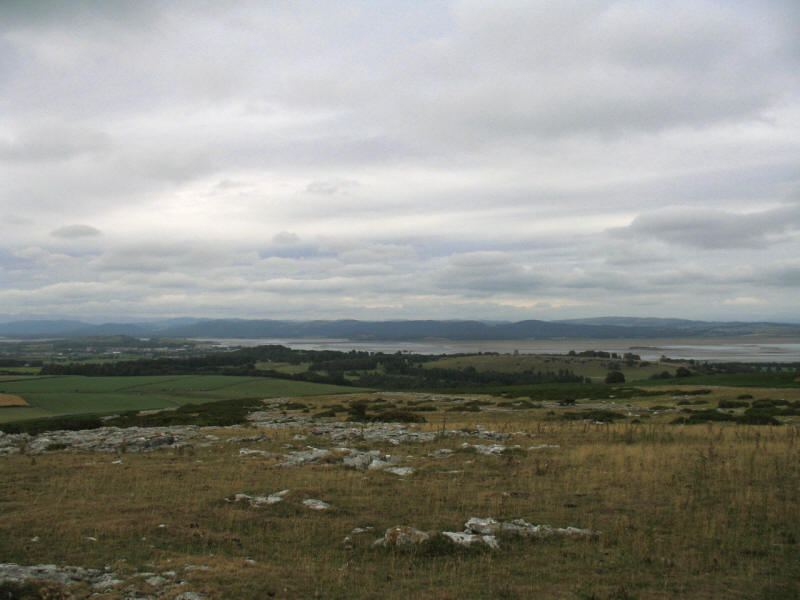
(286, 237)
(513, 159)
(711, 228)
(75, 231)
(331, 187)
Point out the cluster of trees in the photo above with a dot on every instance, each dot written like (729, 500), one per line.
(627, 356)
(366, 369)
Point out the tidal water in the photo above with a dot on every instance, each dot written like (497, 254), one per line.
(725, 350)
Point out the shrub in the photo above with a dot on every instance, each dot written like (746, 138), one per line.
(615, 377)
(732, 404)
(67, 422)
(397, 416)
(604, 416)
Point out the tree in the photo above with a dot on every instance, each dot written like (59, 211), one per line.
(615, 377)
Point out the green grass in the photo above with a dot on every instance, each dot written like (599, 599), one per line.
(283, 367)
(596, 368)
(762, 380)
(75, 394)
(20, 370)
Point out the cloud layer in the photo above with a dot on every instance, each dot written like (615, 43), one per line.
(384, 160)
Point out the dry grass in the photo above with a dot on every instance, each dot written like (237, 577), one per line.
(11, 400)
(684, 511)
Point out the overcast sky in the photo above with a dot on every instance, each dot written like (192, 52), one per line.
(421, 159)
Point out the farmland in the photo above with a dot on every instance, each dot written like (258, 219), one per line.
(75, 394)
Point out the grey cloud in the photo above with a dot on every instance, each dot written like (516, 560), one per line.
(286, 237)
(75, 231)
(157, 257)
(331, 187)
(17, 220)
(713, 229)
(522, 158)
(57, 12)
(487, 272)
(53, 142)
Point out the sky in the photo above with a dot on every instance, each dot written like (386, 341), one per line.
(500, 160)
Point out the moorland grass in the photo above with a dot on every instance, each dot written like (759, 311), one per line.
(708, 511)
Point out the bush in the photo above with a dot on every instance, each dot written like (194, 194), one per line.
(604, 416)
(615, 377)
(67, 422)
(397, 416)
(732, 404)
(662, 375)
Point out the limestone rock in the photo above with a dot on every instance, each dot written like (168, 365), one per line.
(402, 535)
(469, 539)
(315, 504)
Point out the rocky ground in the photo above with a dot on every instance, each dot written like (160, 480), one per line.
(51, 581)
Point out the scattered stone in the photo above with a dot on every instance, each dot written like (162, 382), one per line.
(304, 457)
(106, 581)
(155, 581)
(401, 471)
(104, 439)
(189, 596)
(14, 573)
(521, 528)
(256, 501)
(402, 535)
(315, 504)
(477, 531)
(541, 446)
(441, 453)
(468, 539)
(494, 449)
(358, 530)
(249, 452)
(252, 438)
(145, 439)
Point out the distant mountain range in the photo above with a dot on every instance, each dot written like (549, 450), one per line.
(595, 328)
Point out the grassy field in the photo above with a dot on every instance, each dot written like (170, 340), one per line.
(683, 512)
(596, 368)
(74, 394)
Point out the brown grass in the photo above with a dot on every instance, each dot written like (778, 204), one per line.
(11, 400)
(683, 511)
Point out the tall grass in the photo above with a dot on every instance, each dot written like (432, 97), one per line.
(690, 512)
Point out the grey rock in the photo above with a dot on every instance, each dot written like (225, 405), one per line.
(402, 535)
(315, 504)
(469, 539)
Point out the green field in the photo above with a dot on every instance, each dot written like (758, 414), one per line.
(596, 368)
(75, 394)
(788, 379)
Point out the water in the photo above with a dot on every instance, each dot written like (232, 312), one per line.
(723, 350)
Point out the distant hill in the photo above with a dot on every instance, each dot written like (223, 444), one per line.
(597, 328)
